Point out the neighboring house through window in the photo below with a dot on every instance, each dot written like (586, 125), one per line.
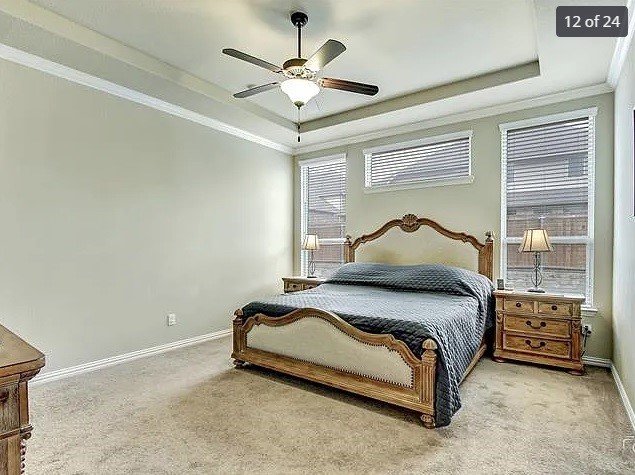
(323, 211)
(548, 182)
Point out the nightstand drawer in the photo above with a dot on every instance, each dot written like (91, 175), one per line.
(555, 308)
(536, 325)
(538, 346)
(512, 305)
(9, 411)
(292, 287)
(309, 286)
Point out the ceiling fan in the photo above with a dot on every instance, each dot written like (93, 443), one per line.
(301, 83)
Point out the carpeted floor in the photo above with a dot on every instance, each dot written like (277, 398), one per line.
(190, 412)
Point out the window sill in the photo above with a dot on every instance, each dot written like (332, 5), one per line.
(424, 184)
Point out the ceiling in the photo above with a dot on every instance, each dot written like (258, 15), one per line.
(419, 52)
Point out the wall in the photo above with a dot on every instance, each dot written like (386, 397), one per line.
(475, 208)
(114, 215)
(624, 232)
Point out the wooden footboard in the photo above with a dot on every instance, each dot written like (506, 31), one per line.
(319, 346)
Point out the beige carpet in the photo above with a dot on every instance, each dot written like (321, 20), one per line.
(190, 412)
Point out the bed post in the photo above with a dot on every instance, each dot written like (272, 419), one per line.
(486, 256)
(428, 381)
(349, 252)
(238, 340)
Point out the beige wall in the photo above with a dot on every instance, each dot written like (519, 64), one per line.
(624, 233)
(475, 208)
(114, 215)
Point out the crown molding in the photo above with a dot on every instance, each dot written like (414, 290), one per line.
(476, 83)
(622, 46)
(78, 77)
(63, 27)
(548, 99)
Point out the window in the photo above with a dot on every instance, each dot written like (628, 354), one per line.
(548, 183)
(433, 161)
(323, 204)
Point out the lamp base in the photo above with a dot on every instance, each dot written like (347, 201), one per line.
(311, 276)
(536, 290)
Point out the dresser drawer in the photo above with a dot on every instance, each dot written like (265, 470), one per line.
(9, 408)
(512, 305)
(555, 308)
(536, 325)
(537, 346)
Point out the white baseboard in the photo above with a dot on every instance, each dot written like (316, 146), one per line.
(627, 403)
(594, 361)
(115, 360)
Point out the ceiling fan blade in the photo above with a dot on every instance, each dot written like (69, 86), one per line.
(349, 86)
(252, 59)
(327, 53)
(256, 90)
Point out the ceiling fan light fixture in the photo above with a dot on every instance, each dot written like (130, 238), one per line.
(300, 91)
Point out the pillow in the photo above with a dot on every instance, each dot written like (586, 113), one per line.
(423, 277)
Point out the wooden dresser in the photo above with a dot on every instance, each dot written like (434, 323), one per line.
(539, 328)
(295, 284)
(19, 362)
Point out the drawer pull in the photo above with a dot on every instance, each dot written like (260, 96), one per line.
(4, 397)
(542, 325)
(542, 343)
(554, 307)
(518, 304)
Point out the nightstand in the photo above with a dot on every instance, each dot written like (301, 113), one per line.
(295, 284)
(539, 328)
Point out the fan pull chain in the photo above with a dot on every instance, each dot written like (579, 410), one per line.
(298, 124)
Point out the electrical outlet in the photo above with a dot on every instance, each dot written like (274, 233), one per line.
(587, 329)
(171, 319)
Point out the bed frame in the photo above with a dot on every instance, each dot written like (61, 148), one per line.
(373, 365)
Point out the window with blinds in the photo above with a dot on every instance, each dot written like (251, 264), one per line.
(548, 183)
(323, 196)
(433, 161)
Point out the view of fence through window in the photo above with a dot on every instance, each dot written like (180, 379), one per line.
(324, 212)
(547, 186)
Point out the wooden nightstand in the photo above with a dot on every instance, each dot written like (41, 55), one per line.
(295, 284)
(539, 328)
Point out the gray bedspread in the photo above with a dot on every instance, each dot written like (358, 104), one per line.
(452, 306)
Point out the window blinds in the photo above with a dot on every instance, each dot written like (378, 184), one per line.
(426, 162)
(549, 164)
(323, 185)
(548, 184)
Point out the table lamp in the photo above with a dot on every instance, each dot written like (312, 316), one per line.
(536, 241)
(311, 243)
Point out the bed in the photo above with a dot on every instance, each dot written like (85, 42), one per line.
(406, 335)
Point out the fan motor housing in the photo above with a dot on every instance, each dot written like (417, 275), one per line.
(294, 68)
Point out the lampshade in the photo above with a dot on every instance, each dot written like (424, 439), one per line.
(535, 240)
(300, 91)
(311, 242)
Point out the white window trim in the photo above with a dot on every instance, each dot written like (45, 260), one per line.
(339, 157)
(416, 143)
(325, 159)
(547, 119)
(466, 180)
(591, 113)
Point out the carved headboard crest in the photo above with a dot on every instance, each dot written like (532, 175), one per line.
(411, 223)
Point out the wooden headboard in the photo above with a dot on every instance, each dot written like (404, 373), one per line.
(411, 223)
